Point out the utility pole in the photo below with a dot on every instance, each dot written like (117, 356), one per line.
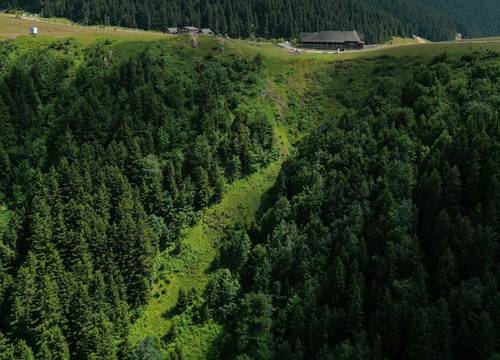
(107, 21)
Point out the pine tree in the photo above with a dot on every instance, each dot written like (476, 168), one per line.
(6, 348)
(205, 192)
(148, 349)
(218, 183)
(22, 351)
(52, 345)
(40, 224)
(23, 317)
(253, 330)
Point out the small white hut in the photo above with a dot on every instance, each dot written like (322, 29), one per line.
(34, 30)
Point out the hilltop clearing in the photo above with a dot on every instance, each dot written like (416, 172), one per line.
(12, 26)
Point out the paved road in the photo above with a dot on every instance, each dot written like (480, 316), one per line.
(289, 46)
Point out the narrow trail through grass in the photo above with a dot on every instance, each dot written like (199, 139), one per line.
(189, 268)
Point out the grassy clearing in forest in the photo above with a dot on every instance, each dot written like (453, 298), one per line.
(190, 267)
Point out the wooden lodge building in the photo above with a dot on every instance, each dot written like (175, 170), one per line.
(189, 30)
(331, 40)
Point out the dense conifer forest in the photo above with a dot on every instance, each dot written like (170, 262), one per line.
(381, 237)
(105, 154)
(377, 20)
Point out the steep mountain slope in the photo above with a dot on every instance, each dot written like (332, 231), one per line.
(106, 153)
(137, 221)
(381, 238)
(377, 19)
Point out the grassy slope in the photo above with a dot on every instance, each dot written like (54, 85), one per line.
(276, 57)
(190, 268)
(12, 27)
(402, 41)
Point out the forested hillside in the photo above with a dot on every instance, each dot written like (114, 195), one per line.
(106, 152)
(172, 200)
(474, 18)
(378, 20)
(381, 237)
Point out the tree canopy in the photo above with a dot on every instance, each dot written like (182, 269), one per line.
(106, 152)
(381, 237)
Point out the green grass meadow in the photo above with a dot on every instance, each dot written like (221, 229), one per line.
(189, 269)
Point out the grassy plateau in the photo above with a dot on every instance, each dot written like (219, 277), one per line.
(14, 26)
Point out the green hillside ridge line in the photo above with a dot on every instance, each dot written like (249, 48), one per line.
(190, 268)
(377, 20)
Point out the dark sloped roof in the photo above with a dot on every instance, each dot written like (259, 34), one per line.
(331, 36)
